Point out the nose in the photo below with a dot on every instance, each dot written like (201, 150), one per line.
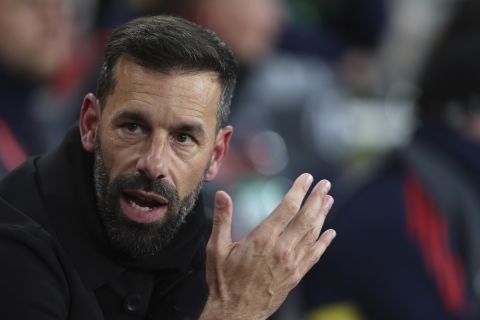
(154, 159)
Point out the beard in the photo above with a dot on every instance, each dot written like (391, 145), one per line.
(138, 240)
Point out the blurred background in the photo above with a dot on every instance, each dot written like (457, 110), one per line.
(330, 87)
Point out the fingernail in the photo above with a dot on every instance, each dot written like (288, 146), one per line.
(326, 185)
(307, 180)
(331, 234)
(328, 202)
(220, 203)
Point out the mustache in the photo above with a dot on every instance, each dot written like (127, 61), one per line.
(140, 181)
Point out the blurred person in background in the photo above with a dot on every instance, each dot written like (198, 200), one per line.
(346, 33)
(34, 44)
(43, 58)
(330, 28)
(419, 212)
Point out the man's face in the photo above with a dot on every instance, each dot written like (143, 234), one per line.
(155, 143)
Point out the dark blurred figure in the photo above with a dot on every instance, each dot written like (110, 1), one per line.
(345, 33)
(34, 45)
(418, 215)
(330, 28)
(250, 27)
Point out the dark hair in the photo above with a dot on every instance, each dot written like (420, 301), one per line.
(167, 43)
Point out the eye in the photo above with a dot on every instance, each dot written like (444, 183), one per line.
(132, 128)
(184, 139)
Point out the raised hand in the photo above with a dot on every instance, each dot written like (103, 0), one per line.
(251, 278)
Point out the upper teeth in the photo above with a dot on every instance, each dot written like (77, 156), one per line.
(136, 206)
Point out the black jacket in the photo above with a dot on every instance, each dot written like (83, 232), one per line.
(58, 264)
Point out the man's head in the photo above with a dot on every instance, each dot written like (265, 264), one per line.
(450, 81)
(168, 44)
(157, 128)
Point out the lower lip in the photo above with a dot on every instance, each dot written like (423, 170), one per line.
(139, 216)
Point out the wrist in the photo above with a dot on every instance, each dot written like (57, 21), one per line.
(213, 310)
(216, 309)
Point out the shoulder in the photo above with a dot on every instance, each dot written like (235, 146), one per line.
(22, 237)
(32, 279)
(19, 189)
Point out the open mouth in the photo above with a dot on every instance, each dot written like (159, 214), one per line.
(145, 202)
(143, 207)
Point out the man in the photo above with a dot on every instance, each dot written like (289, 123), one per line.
(108, 225)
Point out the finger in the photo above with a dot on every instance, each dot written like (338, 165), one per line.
(289, 206)
(311, 236)
(311, 257)
(221, 236)
(308, 223)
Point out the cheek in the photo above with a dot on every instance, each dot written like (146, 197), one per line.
(188, 177)
(118, 157)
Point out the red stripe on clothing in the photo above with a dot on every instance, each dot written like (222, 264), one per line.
(427, 226)
(11, 153)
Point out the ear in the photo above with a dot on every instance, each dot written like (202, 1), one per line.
(89, 120)
(222, 144)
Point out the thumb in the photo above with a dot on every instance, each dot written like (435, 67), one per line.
(222, 221)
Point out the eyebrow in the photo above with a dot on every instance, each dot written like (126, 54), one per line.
(194, 129)
(134, 116)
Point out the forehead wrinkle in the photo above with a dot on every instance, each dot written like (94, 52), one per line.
(133, 75)
(185, 100)
(177, 104)
(198, 96)
(184, 94)
(182, 109)
(192, 101)
(198, 93)
(192, 112)
(141, 100)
